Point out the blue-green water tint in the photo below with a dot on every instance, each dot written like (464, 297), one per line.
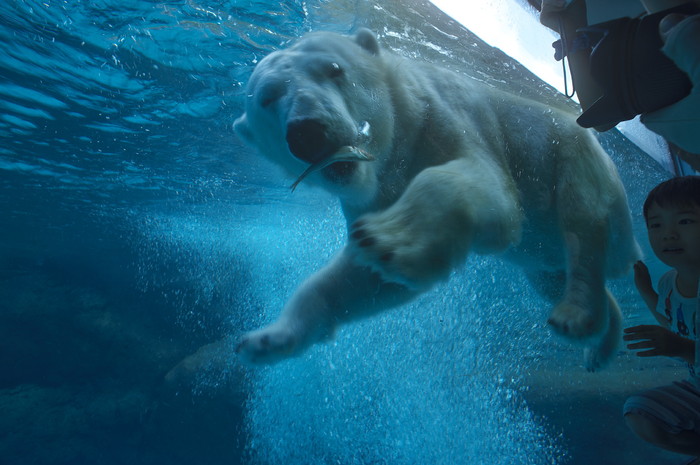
(136, 229)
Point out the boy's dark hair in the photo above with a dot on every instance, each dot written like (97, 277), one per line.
(681, 190)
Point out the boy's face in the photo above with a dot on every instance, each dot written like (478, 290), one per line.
(674, 235)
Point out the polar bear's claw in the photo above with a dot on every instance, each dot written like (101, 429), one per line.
(356, 231)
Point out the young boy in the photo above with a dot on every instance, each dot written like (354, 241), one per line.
(669, 416)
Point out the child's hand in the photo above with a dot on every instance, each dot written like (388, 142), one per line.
(642, 278)
(657, 340)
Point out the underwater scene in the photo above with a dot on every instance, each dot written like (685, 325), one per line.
(140, 237)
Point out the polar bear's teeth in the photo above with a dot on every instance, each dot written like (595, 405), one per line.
(345, 153)
(364, 129)
(350, 153)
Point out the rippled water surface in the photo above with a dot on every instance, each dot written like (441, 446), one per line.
(137, 233)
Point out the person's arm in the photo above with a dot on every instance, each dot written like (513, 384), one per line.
(656, 340)
(680, 123)
(642, 280)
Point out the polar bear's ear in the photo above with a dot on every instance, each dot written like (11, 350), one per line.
(241, 127)
(367, 40)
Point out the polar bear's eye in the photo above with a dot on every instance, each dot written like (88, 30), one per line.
(335, 70)
(270, 93)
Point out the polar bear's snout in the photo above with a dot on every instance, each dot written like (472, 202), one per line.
(309, 140)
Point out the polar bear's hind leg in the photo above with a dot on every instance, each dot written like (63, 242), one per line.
(587, 187)
(598, 355)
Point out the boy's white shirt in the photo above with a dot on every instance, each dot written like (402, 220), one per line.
(669, 279)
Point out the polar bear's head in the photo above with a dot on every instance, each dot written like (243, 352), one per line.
(307, 102)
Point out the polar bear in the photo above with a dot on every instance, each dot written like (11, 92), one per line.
(430, 166)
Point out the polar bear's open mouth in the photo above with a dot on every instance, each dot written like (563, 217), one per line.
(342, 163)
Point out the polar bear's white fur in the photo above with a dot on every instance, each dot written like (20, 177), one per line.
(459, 167)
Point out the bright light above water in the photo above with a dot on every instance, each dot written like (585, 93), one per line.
(506, 25)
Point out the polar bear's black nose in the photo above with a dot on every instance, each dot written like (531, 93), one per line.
(308, 140)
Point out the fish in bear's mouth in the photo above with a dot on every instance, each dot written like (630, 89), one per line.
(343, 162)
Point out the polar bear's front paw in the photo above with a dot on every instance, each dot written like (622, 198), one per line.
(574, 321)
(267, 345)
(399, 251)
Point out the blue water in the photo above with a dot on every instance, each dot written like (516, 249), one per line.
(136, 231)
